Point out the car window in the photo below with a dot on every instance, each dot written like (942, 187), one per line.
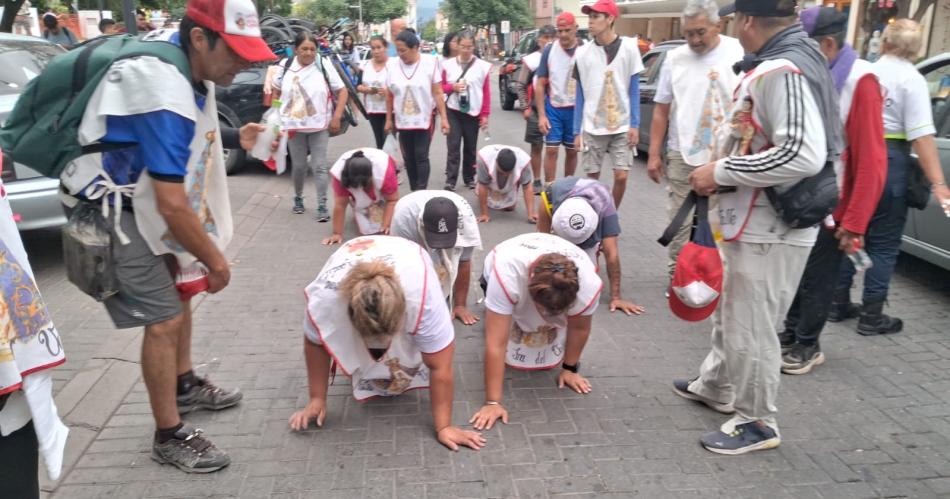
(20, 62)
(650, 66)
(938, 83)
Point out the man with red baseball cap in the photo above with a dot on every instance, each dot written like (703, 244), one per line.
(607, 96)
(170, 203)
(554, 97)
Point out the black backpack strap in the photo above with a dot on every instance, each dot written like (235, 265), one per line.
(691, 200)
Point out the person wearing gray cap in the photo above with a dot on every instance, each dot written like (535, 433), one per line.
(862, 174)
(582, 211)
(501, 170)
(784, 128)
(443, 222)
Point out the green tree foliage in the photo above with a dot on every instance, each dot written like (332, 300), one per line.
(322, 11)
(380, 11)
(429, 32)
(484, 13)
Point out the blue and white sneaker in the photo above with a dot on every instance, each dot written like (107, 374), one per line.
(747, 437)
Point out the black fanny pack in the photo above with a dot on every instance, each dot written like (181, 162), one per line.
(809, 201)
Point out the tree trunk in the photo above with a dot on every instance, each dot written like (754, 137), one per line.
(922, 9)
(10, 9)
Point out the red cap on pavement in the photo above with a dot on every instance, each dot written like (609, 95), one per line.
(608, 7)
(566, 18)
(236, 22)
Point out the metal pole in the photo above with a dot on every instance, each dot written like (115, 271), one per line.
(128, 14)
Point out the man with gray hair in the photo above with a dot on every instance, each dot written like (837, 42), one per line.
(693, 97)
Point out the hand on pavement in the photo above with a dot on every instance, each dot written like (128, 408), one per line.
(625, 306)
(453, 436)
(483, 218)
(485, 418)
(316, 409)
(334, 239)
(462, 313)
(573, 381)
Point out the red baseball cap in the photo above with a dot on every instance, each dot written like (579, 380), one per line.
(608, 7)
(236, 22)
(566, 18)
(697, 281)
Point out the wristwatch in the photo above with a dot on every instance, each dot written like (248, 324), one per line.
(568, 367)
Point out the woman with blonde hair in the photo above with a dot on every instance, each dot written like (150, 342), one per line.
(385, 326)
(908, 126)
(541, 292)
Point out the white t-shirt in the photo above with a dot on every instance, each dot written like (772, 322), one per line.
(411, 88)
(435, 327)
(716, 101)
(305, 99)
(908, 113)
(375, 103)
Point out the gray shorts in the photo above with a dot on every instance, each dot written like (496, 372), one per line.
(532, 134)
(147, 293)
(613, 146)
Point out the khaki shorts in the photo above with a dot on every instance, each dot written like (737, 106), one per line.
(613, 146)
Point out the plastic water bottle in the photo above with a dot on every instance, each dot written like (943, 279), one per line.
(271, 122)
(860, 258)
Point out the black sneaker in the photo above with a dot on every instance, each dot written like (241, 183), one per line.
(470, 184)
(190, 452)
(206, 395)
(536, 185)
(449, 187)
(747, 437)
(681, 388)
(322, 214)
(298, 205)
(787, 339)
(843, 311)
(802, 358)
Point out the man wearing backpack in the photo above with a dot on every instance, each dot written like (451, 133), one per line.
(57, 34)
(169, 201)
(783, 129)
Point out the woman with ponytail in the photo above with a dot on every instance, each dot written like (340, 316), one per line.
(386, 327)
(366, 179)
(541, 292)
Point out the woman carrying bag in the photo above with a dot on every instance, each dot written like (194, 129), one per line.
(309, 86)
(466, 81)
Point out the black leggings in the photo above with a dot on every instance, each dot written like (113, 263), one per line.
(415, 153)
(19, 462)
(378, 123)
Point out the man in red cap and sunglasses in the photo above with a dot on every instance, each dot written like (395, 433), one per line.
(170, 208)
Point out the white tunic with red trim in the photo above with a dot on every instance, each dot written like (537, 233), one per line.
(401, 368)
(500, 198)
(561, 82)
(537, 341)
(367, 210)
(411, 89)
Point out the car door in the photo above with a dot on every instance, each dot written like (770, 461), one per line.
(931, 225)
(648, 80)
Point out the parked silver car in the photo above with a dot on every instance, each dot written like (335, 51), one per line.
(927, 232)
(33, 198)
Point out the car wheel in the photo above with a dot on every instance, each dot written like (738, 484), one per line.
(233, 158)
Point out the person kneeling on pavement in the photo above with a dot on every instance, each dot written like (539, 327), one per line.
(541, 292)
(582, 211)
(366, 179)
(387, 328)
(443, 222)
(501, 169)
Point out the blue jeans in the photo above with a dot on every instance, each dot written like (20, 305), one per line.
(883, 238)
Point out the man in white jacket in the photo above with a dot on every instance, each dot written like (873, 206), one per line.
(786, 86)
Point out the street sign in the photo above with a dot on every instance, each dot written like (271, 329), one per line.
(505, 27)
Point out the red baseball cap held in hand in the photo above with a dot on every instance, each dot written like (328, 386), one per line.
(237, 24)
(608, 7)
(697, 280)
